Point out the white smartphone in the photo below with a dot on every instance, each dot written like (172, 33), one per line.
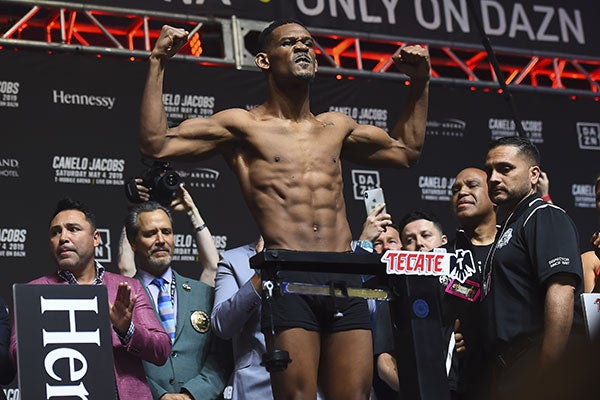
(373, 199)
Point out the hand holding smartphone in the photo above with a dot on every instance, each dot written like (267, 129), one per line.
(373, 199)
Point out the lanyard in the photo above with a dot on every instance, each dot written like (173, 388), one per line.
(487, 275)
(173, 285)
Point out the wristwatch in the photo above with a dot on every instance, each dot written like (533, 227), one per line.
(365, 245)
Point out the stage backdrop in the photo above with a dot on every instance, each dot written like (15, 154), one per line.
(70, 126)
(567, 26)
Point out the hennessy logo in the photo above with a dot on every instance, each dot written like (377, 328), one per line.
(61, 97)
(69, 336)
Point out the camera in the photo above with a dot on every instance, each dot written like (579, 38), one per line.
(161, 180)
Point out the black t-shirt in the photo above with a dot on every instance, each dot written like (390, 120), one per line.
(537, 241)
(455, 304)
(468, 368)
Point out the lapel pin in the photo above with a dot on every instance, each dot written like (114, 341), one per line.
(200, 321)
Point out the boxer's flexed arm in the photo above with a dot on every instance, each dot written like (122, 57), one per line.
(410, 129)
(193, 138)
(371, 145)
(153, 123)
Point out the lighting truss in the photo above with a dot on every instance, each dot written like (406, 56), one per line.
(96, 30)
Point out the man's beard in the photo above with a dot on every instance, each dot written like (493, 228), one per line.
(159, 265)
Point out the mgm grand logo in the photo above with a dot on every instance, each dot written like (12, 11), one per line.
(9, 167)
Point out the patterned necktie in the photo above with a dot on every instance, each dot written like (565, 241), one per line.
(165, 307)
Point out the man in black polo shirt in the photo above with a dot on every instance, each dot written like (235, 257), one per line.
(533, 274)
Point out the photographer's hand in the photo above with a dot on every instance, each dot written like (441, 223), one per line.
(595, 241)
(184, 202)
(136, 192)
(143, 191)
(207, 252)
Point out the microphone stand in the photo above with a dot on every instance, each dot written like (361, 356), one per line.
(506, 94)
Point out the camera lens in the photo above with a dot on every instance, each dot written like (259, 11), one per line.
(171, 179)
(162, 181)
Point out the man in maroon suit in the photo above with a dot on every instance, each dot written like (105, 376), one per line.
(136, 332)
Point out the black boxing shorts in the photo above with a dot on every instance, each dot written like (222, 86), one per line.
(317, 313)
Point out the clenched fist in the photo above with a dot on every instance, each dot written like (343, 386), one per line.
(413, 61)
(169, 42)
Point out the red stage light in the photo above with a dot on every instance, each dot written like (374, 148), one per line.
(196, 45)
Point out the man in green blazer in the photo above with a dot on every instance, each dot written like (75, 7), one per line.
(200, 363)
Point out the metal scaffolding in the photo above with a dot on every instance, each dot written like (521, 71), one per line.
(229, 42)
